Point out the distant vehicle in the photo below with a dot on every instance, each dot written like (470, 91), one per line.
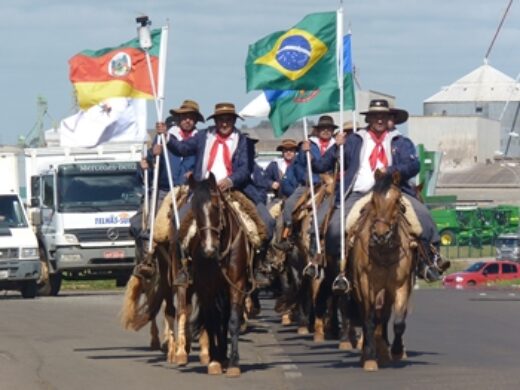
(81, 202)
(19, 260)
(507, 247)
(483, 272)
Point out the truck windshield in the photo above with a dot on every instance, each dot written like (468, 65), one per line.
(90, 187)
(11, 212)
(507, 242)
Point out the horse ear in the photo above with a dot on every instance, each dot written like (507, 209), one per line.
(396, 178)
(191, 181)
(378, 174)
(212, 181)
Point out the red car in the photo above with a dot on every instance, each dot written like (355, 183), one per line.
(483, 272)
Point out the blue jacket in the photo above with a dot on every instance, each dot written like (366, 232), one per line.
(404, 160)
(256, 188)
(196, 145)
(296, 174)
(272, 173)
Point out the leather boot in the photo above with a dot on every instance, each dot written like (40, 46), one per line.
(285, 243)
(260, 269)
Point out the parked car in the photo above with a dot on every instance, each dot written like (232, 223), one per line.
(483, 272)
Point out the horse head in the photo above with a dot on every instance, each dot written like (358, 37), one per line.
(385, 208)
(206, 205)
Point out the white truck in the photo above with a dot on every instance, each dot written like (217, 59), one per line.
(19, 260)
(81, 202)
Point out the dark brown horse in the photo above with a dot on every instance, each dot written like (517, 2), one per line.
(220, 253)
(382, 261)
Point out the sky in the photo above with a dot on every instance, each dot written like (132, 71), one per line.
(405, 48)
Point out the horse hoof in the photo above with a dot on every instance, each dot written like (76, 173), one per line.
(399, 356)
(286, 320)
(345, 346)
(214, 368)
(233, 372)
(302, 330)
(370, 366)
(171, 358)
(181, 359)
(204, 359)
(319, 338)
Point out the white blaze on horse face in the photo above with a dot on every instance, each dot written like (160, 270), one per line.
(207, 246)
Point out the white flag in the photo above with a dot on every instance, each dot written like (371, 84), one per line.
(257, 108)
(113, 120)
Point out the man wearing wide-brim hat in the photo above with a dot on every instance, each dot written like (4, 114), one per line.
(379, 147)
(221, 150)
(182, 124)
(277, 168)
(295, 181)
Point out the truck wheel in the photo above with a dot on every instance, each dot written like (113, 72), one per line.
(29, 289)
(48, 284)
(447, 238)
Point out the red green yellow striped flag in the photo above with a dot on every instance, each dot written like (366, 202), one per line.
(114, 72)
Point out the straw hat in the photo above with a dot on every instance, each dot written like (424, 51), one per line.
(224, 109)
(187, 106)
(348, 126)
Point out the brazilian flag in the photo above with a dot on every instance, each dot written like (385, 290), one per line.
(303, 57)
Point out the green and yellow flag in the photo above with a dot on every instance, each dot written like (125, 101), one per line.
(119, 71)
(303, 57)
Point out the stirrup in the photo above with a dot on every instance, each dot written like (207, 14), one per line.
(311, 270)
(430, 274)
(341, 285)
(144, 270)
(182, 279)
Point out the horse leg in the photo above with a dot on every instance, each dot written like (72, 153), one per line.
(204, 347)
(383, 312)
(169, 326)
(234, 331)
(400, 312)
(181, 353)
(320, 304)
(348, 336)
(214, 366)
(369, 345)
(155, 342)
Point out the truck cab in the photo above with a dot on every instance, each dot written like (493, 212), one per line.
(81, 203)
(19, 260)
(507, 246)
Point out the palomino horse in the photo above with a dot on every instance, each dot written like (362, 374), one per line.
(220, 253)
(382, 261)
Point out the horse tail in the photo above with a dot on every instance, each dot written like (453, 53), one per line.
(132, 315)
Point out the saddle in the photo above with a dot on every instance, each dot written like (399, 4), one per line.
(247, 216)
(304, 206)
(354, 217)
(162, 229)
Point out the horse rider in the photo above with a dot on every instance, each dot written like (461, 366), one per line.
(182, 123)
(278, 167)
(257, 190)
(296, 179)
(222, 150)
(378, 147)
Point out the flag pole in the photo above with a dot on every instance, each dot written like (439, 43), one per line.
(145, 43)
(311, 187)
(339, 54)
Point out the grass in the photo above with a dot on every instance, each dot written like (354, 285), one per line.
(104, 284)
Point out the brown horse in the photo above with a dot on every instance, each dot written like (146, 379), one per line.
(382, 261)
(220, 253)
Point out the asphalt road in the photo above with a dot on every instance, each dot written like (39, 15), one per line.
(454, 339)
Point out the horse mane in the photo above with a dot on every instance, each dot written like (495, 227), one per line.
(383, 183)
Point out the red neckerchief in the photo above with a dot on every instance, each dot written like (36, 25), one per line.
(220, 140)
(324, 143)
(287, 162)
(378, 153)
(185, 134)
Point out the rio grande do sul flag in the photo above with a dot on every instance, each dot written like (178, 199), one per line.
(303, 57)
(114, 72)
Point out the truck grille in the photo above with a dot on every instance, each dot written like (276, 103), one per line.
(106, 234)
(9, 253)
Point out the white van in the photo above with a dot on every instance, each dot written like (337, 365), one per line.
(19, 258)
(507, 247)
